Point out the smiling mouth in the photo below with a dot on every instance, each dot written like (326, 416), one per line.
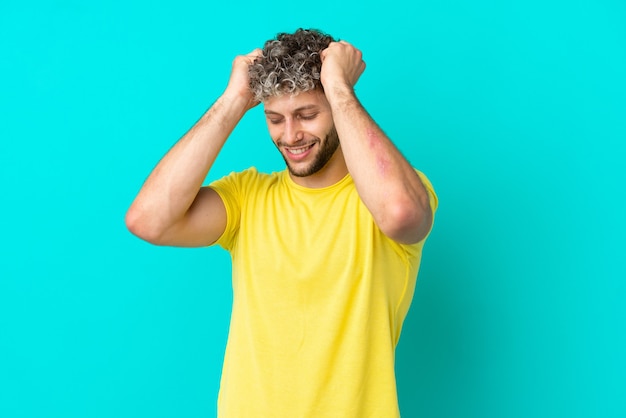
(299, 150)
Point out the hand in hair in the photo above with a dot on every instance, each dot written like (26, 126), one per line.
(238, 84)
(342, 65)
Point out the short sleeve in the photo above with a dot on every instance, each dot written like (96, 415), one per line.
(432, 196)
(230, 191)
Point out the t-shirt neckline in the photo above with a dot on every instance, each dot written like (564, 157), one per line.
(292, 184)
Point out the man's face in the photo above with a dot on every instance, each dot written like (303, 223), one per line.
(302, 129)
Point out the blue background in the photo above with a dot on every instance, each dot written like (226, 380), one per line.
(515, 110)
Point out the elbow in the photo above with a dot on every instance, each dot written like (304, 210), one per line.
(139, 224)
(407, 223)
(136, 224)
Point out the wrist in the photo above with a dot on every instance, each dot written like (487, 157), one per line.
(236, 102)
(340, 94)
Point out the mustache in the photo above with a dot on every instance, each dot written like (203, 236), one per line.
(301, 143)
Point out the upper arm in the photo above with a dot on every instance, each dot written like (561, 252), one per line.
(203, 223)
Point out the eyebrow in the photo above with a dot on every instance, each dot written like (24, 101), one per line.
(299, 109)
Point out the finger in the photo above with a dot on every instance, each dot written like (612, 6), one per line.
(337, 44)
(254, 54)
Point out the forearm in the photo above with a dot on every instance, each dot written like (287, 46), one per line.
(385, 181)
(171, 188)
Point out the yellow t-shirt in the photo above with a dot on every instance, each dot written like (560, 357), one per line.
(319, 297)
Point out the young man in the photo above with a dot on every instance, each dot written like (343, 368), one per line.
(325, 254)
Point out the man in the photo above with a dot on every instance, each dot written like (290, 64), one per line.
(325, 254)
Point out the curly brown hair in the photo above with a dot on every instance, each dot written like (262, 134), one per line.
(290, 64)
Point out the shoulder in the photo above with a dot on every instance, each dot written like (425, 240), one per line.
(252, 174)
(247, 179)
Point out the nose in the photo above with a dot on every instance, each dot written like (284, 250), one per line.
(293, 133)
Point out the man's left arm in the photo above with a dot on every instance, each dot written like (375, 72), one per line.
(385, 181)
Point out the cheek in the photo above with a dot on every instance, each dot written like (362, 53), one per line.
(317, 129)
(324, 126)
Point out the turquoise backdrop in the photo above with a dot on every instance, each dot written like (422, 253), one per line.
(516, 110)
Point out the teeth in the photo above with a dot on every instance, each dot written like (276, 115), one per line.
(296, 151)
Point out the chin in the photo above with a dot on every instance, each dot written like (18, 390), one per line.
(303, 171)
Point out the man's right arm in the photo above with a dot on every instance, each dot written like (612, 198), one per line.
(172, 207)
